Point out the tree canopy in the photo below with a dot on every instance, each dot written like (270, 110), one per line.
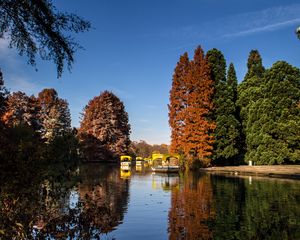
(104, 128)
(38, 28)
(273, 123)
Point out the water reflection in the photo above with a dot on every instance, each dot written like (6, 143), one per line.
(220, 207)
(192, 209)
(97, 199)
(64, 209)
(166, 182)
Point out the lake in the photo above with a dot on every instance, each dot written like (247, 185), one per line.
(107, 203)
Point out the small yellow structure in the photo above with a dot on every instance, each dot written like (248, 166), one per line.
(126, 162)
(125, 158)
(125, 174)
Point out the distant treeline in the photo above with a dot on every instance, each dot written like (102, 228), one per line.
(216, 121)
(145, 150)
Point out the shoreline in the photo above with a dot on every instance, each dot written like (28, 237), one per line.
(277, 171)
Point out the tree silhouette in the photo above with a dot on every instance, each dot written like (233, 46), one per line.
(36, 27)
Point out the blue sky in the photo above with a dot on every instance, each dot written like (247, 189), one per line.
(134, 45)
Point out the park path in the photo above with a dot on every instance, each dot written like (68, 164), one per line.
(279, 171)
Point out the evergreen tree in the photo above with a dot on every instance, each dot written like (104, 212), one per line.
(54, 115)
(227, 126)
(104, 128)
(273, 122)
(178, 97)
(248, 91)
(198, 139)
(232, 82)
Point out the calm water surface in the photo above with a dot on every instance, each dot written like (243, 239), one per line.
(107, 203)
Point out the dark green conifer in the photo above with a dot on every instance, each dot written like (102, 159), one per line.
(227, 126)
(273, 123)
(248, 91)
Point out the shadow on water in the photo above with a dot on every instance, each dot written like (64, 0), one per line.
(219, 207)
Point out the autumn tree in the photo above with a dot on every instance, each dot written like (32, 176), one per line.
(198, 139)
(273, 122)
(104, 128)
(177, 105)
(22, 109)
(54, 114)
(38, 28)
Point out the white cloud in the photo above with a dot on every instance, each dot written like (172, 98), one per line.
(266, 28)
(270, 19)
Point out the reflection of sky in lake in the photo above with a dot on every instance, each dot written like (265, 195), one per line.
(74, 198)
(147, 210)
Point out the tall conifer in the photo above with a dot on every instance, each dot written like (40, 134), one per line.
(227, 126)
(248, 91)
(178, 98)
(198, 139)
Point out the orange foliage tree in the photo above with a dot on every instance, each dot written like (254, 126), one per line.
(104, 129)
(190, 109)
(178, 98)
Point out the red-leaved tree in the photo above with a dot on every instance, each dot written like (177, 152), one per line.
(104, 129)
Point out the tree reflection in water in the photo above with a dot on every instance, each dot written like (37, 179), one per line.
(46, 208)
(192, 209)
(219, 207)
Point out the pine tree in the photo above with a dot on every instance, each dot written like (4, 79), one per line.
(273, 122)
(104, 128)
(178, 98)
(198, 139)
(54, 115)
